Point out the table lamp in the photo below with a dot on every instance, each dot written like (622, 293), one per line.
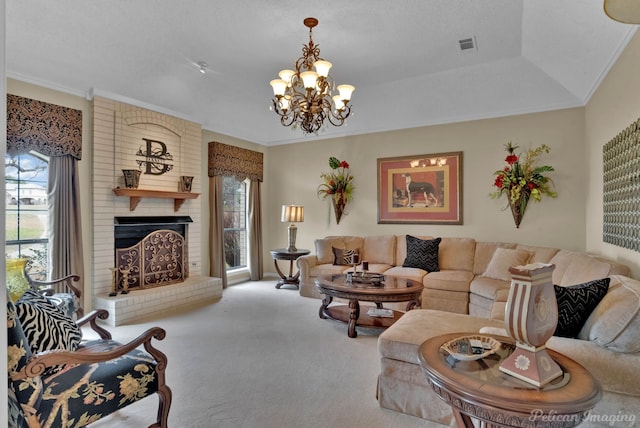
(292, 214)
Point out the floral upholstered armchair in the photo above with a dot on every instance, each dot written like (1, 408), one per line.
(58, 380)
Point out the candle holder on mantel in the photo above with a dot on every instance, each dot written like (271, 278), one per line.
(530, 318)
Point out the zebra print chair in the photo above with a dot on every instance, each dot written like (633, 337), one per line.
(58, 380)
(61, 291)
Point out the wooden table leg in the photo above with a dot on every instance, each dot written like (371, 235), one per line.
(463, 420)
(325, 303)
(284, 279)
(354, 313)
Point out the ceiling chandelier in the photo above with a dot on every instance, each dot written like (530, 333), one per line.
(303, 97)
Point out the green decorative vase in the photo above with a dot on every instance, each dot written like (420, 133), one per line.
(16, 280)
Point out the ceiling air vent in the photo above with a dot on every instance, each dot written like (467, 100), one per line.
(467, 44)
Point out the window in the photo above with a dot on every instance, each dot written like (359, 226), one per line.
(234, 195)
(26, 210)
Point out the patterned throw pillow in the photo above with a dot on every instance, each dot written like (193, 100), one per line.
(502, 260)
(46, 326)
(575, 304)
(422, 253)
(344, 257)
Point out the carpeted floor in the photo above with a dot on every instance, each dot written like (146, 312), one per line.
(261, 357)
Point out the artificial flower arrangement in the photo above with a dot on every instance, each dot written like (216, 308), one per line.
(521, 180)
(337, 185)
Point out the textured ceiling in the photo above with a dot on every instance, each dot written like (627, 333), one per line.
(403, 57)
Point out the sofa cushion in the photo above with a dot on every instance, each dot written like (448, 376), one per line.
(345, 257)
(456, 254)
(422, 253)
(615, 322)
(379, 249)
(577, 268)
(415, 274)
(575, 304)
(450, 280)
(484, 252)
(324, 249)
(539, 254)
(488, 287)
(502, 259)
(401, 342)
(46, 326)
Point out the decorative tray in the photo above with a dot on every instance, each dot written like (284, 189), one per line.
(366, 277)
(473, 347)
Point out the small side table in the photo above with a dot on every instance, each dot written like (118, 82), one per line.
(285, 254)
(478, 389)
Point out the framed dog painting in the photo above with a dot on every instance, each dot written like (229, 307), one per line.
(420, 189)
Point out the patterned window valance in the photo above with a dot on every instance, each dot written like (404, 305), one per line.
(232, 161)
(49, 129)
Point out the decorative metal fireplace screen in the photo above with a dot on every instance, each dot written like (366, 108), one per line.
(160, 258)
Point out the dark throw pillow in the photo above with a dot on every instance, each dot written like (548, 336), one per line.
(422, 253)
(575, 304)
(344, 257)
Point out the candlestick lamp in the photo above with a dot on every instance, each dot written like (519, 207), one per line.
(292, 214)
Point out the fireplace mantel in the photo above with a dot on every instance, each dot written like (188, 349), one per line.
(135, 195)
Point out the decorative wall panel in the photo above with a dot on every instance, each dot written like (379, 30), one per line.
(621, 189)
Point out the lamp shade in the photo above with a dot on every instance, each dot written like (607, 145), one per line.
(626, 11)
(292, 214)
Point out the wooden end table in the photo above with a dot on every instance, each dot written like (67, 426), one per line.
(478, 389)
(391, 290)
(285, 254)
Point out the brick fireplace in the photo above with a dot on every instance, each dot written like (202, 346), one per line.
(119, 131)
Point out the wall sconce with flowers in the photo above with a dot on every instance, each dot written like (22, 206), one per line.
(337, 185)
(523, 180)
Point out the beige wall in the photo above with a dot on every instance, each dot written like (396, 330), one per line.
(613, 107)
(552, 222)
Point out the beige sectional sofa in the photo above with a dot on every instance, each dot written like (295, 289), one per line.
(461, 285)
(469, 293)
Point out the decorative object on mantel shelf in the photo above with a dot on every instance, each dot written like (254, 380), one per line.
(185, 183)
(521, 181)
(337, 185)
(131, 178)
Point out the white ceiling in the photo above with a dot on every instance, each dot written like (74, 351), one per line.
(402, 56)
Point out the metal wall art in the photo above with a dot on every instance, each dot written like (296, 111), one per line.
(621, 189)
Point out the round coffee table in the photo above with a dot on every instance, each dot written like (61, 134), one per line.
(391, 290)
(478, 389)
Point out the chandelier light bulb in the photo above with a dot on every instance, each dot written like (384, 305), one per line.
(279, 86)
(346, 91)
(322, 67)
(309, 78)
(286, 75)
